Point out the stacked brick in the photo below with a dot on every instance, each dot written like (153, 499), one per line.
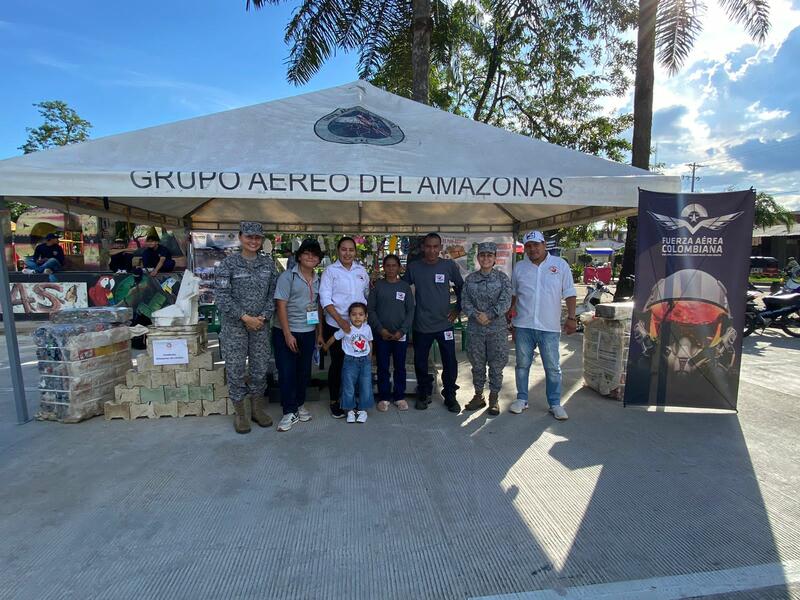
(153, 391)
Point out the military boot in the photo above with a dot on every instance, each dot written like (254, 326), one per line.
(241, 423)
(259, 412)
(476, 402)
(494, 406)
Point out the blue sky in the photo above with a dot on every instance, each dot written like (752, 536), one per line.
(124, 66)
(734, 107)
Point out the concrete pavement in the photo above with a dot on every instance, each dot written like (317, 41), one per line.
(614, 503)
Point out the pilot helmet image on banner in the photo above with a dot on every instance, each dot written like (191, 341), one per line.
(687, 317)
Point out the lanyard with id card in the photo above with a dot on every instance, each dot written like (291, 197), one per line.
(312, 312)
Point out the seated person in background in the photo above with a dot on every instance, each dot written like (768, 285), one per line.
(156, 258)
(48, 257)
(121, 261)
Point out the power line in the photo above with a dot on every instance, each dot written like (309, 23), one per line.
(694, 177)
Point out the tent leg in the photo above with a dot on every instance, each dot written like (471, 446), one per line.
(10, 329)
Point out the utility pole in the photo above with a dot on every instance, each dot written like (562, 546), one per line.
(694, 167)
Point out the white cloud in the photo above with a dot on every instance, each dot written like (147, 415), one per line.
(759, 114)
(727, 109)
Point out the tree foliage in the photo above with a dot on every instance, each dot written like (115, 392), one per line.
(679, 23)
(62, 126)
(769, 213)
(571, 237)
(539, 68)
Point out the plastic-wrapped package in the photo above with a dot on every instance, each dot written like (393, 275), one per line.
(79, 365)
(94, 314)
(605, 355)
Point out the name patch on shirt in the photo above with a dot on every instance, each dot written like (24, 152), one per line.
(554, 269)
(439, 278)
(400, 296)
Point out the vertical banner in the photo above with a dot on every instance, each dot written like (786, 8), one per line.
(692, 263)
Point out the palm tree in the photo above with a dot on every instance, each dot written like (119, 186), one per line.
(671, 27)
(319, 27)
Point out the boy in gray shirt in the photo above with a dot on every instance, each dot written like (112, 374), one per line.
(433, 320)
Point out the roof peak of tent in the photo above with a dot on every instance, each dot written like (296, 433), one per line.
(322, 101)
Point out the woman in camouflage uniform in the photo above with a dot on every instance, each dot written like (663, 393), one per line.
(485, 299)
(244, 292)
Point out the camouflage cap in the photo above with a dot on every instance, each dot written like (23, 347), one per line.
(489, 247)
(251, 228)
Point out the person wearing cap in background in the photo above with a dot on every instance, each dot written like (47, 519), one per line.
(539, 283)
(296, 331)
(156, 258)
(244, 288)
(48, 257)
(485, 299)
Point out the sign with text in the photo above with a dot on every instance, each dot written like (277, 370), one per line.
(46, 297)
(692, 264)
(170, 352)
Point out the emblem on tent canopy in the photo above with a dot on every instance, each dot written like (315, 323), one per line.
(357, 125)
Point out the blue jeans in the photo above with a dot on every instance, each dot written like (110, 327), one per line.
(50, 263)
(525, 342)
(396, 352)
(422, 347)
(357, 372)
(294, 370)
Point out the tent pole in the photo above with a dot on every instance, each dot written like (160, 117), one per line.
(10, 327)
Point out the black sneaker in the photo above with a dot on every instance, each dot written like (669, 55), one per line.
(337, 412)
(422, 402)
(453, 406)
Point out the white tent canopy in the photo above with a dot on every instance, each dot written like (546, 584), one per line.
(352, 157)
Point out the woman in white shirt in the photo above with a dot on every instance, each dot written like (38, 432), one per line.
(343, 283)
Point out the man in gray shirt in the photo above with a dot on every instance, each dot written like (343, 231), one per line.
(433, 320)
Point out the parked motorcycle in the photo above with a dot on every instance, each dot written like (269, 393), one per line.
(782, 311)
(594, 296)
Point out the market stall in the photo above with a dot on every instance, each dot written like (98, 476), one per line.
(350, 158)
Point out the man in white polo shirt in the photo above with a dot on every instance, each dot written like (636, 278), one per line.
(538, 284)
